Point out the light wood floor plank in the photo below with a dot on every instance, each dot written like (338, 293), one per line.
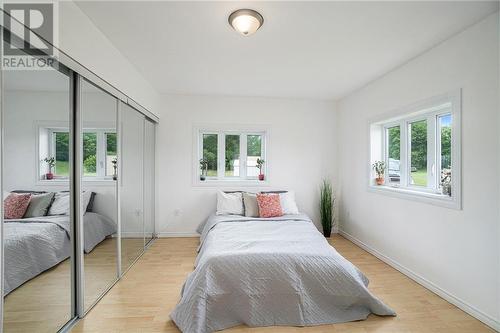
(143, 299)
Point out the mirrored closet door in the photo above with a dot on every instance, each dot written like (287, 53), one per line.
(77, 165)
(37, 218)
(99, 212)
(149, 180)
(131, 180)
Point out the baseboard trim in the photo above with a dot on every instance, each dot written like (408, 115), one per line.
(166, 234)
(473, 311)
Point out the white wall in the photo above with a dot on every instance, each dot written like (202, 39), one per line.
(83, 41)
(301, 151)
(455, 251)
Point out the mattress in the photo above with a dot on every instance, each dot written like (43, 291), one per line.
(266, 272)
(33, 245)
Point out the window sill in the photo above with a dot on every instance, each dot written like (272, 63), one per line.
(231, 183)
(436, 199)
(86, 181)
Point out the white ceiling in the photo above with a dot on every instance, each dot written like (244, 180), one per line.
(317, 50)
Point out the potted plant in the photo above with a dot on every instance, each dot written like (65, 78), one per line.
(114, 161)
(260, 165)
(203, 168)
(326, 206)
(446, 182)
(379, 167)
(51, 162)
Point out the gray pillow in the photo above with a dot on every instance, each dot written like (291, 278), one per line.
(39, 205)
(251, 206)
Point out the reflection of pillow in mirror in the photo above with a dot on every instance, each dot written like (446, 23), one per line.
(39, 205)
(90, 206)
(86, 196)
(60, 206)
(15, 205)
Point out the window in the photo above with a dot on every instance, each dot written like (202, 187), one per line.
(230, 155)
(418, 152)
(111, 154)
(99, 152)
(393, 135)
(254, 152)
(89, 154)
(420, 148)
(60, 144)
(210, 142)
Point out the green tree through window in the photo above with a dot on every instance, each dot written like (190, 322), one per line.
(210, 153)
(394, 134)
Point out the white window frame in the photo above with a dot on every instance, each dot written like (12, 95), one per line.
(429, 110)
(101, 148)
(221, 133)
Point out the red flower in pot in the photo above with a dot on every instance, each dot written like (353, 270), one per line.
(260, 165)
(51, 162)
(379, 168)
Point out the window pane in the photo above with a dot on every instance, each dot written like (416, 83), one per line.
(394, 150)
(210, 153)
(89, 154)
(418, 151)
(110, 154)
(254, 151)
(445, 133)
(232, 156)
(62, 154)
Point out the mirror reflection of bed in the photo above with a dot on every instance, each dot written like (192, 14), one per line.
(37, 227)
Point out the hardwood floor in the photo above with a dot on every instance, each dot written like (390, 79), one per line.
(143, 299)
(43, 304)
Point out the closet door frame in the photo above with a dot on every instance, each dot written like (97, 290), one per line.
(152, 170)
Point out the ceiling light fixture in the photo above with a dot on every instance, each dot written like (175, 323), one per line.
(246, 21)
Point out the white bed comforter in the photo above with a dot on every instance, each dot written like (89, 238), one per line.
(263, 272)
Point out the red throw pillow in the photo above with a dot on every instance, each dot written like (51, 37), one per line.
(15, 205)
(269, 205)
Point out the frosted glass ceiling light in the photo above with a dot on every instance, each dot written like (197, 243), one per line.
(246, 21)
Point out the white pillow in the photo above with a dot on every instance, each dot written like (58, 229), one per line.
(85, 198)
(60, 206)
(251, 206)
(288, 205)
(229, 203)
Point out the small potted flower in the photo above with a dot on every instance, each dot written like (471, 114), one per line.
(260, 165)
(446, 182)
(204, 169)
(114, 162)
(51, 162)
(379, 167)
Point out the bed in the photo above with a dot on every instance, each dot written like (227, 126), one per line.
(266, 272)
(33, 245)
